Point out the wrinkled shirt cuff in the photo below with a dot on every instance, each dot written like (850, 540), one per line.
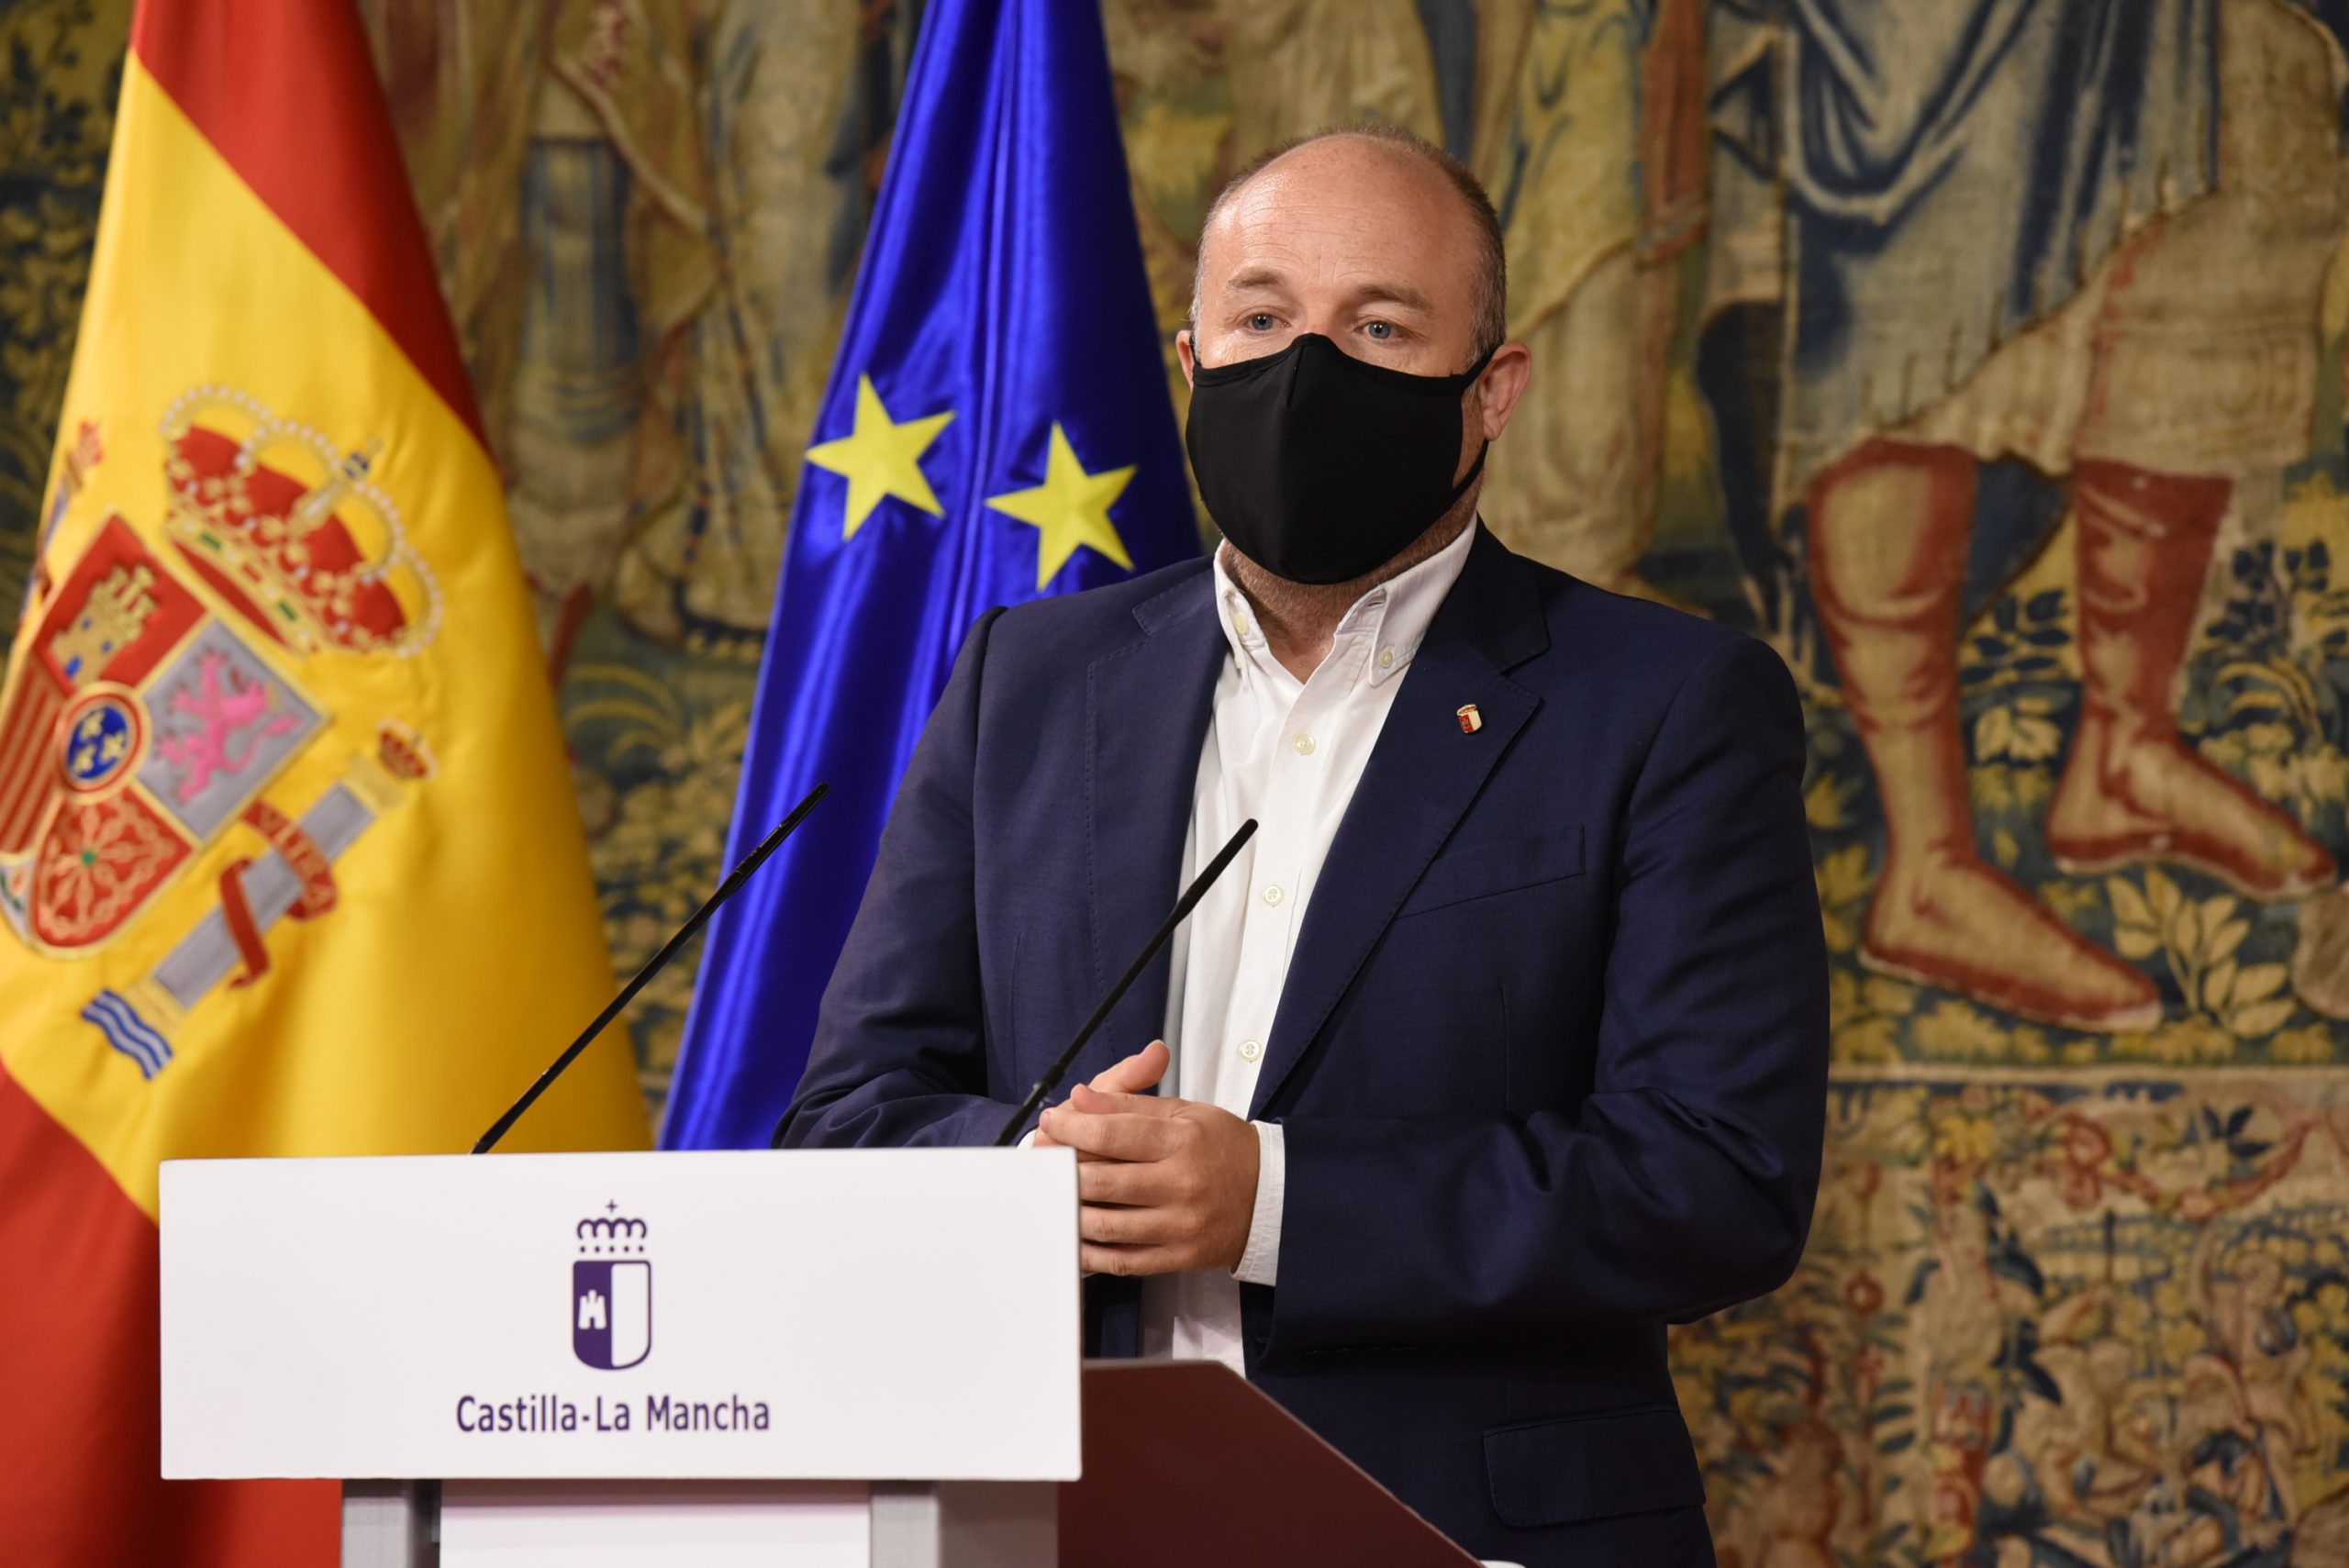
(1260, 1260)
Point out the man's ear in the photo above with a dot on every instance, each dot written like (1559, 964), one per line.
(1183, 353)
(1503, 384)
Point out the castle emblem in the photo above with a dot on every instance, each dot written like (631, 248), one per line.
(611, 1292)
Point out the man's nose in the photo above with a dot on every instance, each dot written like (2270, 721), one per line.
(1263, 345)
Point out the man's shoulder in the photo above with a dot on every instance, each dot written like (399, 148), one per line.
(1633, 641)
(1099, 619)
(1619, 672)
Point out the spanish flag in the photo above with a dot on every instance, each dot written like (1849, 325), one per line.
(288, 858)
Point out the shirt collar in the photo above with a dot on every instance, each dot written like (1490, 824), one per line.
(1382, 629)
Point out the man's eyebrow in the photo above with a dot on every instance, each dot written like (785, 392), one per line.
(1400, 294)
(1254, 278)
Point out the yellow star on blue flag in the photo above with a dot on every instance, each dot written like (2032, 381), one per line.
(1069, 509)
(879, 458)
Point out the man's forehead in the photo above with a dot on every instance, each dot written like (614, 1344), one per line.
(1345, 163)
(1379, 217)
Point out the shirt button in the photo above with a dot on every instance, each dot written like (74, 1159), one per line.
(1386, 658)
(1272, 894)
(1240, 625)
(1249, 1049)
(1304, 744)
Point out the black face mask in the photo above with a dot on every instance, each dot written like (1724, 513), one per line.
(1320, 468)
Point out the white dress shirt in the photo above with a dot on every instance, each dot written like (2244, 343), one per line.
(1289, 754)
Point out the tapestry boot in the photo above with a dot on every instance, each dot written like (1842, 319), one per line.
(1888, 540)
(2132, 790)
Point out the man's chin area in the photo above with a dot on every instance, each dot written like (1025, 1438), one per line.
(1263, 584)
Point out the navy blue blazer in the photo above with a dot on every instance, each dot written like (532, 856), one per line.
(1551, 1056)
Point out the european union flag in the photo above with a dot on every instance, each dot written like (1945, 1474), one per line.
(996, 428)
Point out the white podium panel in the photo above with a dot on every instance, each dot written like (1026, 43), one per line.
(900, 1314)
(655, 1524)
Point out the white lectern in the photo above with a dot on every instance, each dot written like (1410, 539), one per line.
(801, 1360)
(836, 1359)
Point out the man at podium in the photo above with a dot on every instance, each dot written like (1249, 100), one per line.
(1503, 1043)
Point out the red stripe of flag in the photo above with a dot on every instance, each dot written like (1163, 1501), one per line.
(79, 1445)
(286, 91)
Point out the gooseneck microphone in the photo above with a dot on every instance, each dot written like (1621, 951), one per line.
(1183, 907)
(725, 890)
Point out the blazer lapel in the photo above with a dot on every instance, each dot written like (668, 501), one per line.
(1422, 776)
(1146, 710)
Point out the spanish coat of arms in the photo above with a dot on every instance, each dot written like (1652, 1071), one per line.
(157, 698)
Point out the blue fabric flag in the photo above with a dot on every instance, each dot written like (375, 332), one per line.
(996, 428)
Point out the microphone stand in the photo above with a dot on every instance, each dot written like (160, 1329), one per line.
(1183, 907)
(725, 890)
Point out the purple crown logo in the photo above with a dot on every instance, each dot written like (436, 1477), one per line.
(611, 1292)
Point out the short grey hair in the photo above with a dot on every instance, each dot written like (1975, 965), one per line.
(1492, 270)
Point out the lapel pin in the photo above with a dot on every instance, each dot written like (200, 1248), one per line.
(1470, 720)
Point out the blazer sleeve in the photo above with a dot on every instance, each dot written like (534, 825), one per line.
(899, 1056)
(1684, 1182)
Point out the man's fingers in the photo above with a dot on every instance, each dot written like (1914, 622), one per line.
(1121, 1181)
(1116, 1135)
(1140, 1070)
(1094, 1259)
(1046, 1140)
(1129, 1226)
(1101, 1102)
(1122, 1085)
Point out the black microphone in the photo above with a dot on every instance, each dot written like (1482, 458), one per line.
(725, 890)
(1183, 907)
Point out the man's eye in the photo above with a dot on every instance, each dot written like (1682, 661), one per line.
(1260, 321)
(1381, 331)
